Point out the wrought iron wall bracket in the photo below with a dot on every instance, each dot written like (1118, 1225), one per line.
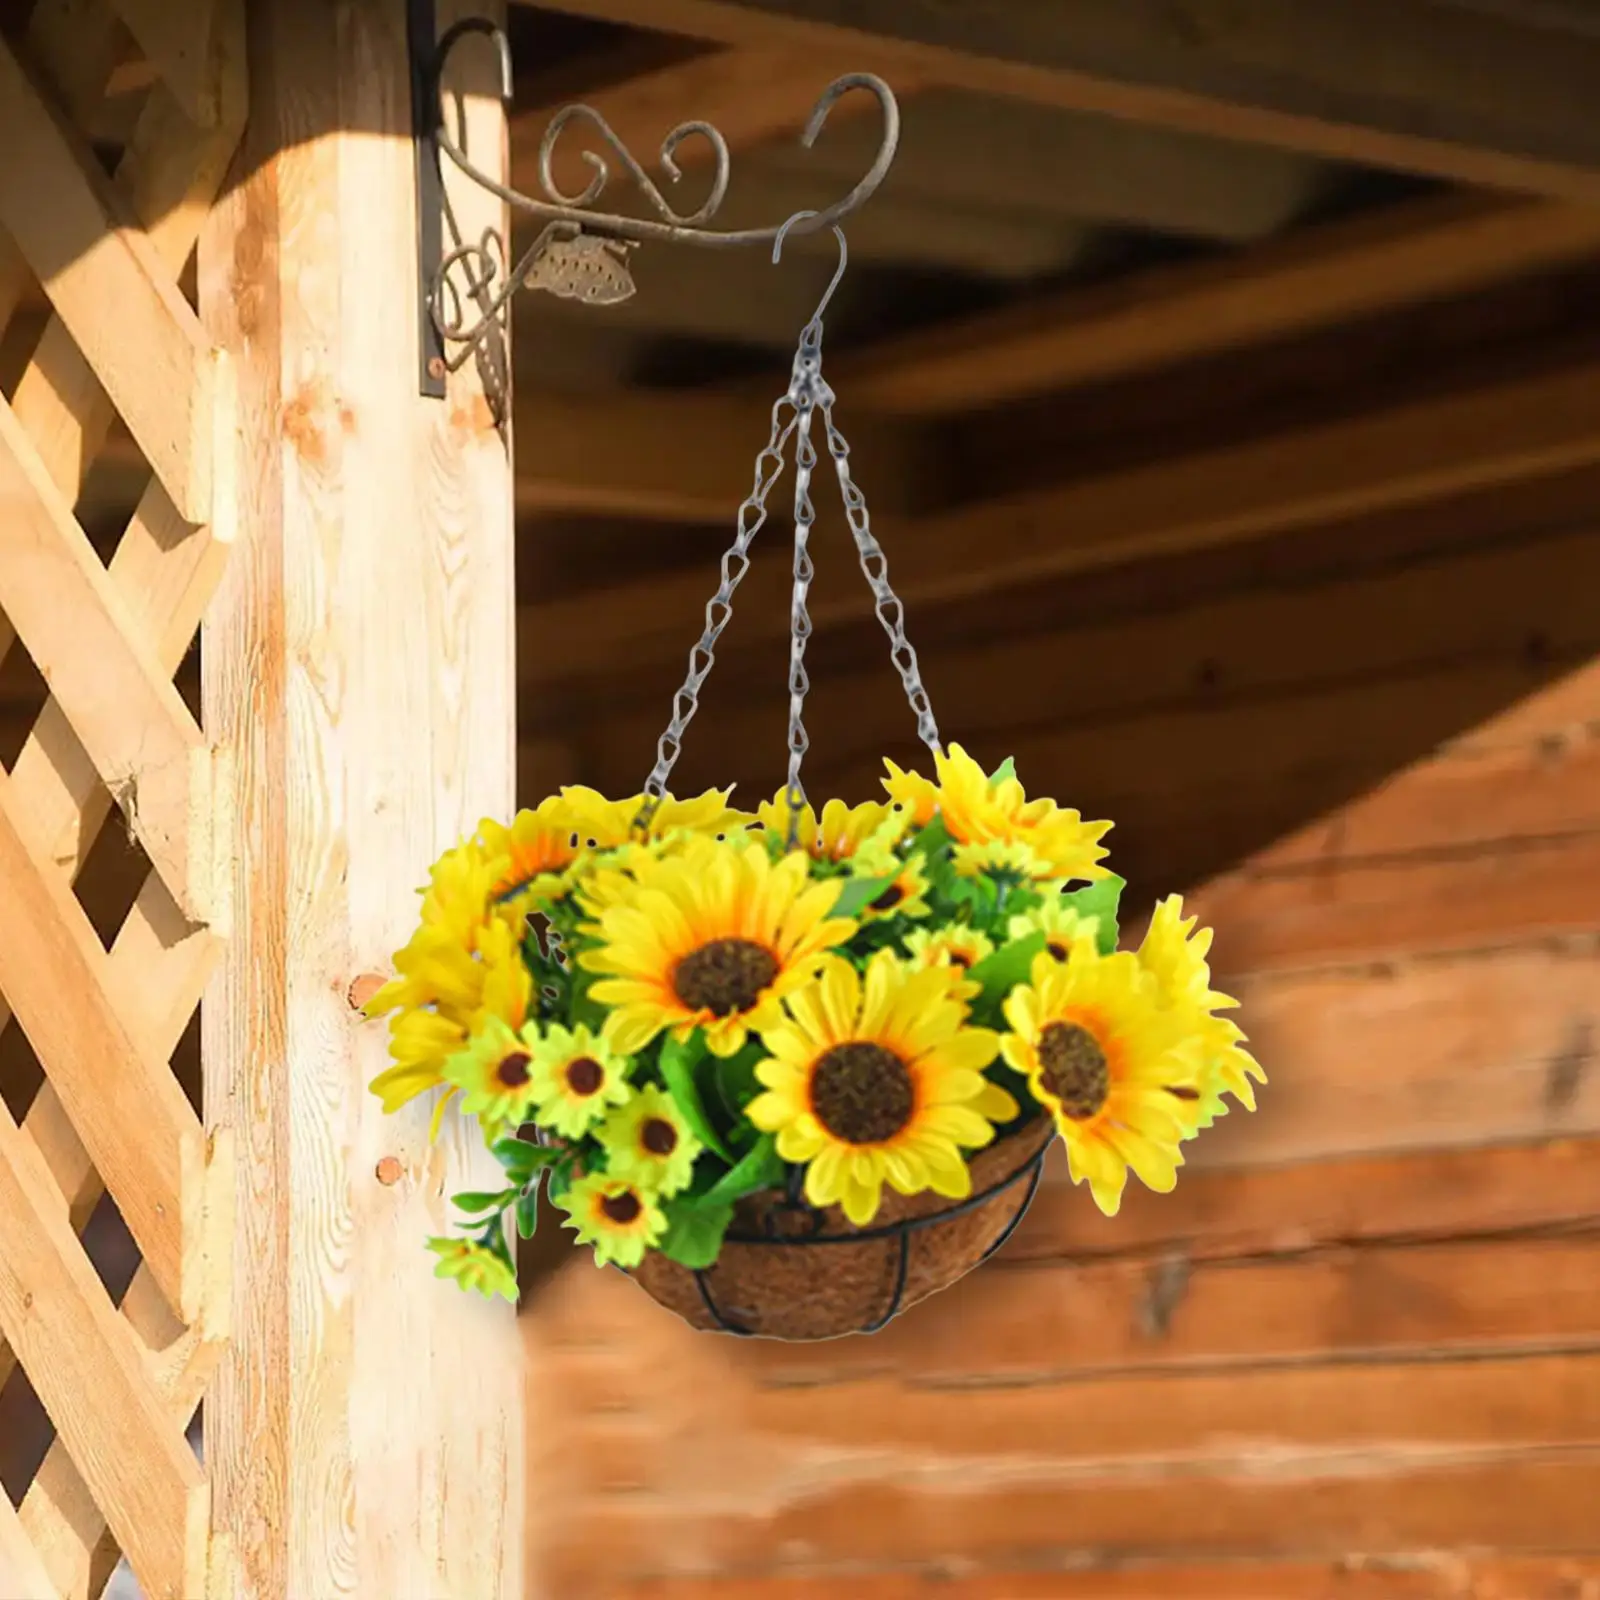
(465, 288)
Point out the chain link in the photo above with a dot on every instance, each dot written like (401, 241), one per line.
(808, 395)
(735, 563)
(875, 567)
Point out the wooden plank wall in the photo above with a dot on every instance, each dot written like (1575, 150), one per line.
(1357, 1354)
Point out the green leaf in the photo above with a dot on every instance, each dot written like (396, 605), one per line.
(694, 1233)
(528, 1212)
(1006, 769)
(522, 1158)
(999, 974)
(1100, 900)
(859, 892)
(473, 1200)
(678, 1062)
(933, 841)
(763, 1168)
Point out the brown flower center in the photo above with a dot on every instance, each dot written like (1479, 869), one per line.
(889, 899)
(585, 1075)
(1058, 950)
(621, 1208)
(959, 958)
(725, 976)
(1074, 1069)
(862, 1093)
(658, 1136)
(512, 1072)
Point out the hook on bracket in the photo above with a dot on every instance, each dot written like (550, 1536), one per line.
(464, 293)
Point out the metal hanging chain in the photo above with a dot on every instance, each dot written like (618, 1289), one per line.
(809, 393)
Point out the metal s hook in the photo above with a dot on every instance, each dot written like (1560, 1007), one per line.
(838, 233)
(489, 30)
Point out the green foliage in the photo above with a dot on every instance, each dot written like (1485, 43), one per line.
(860, 892)
(1100, 900)
(1006, 769)
(522, 1158)
(473, 1201)
(999, 974)
(761, 1169)
(528, 1212)
(694, 1232)
(678, 1062)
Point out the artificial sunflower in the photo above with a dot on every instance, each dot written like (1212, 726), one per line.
(604, 824)
(619, 1219)
(905, 895)
(495, 1074)
(475, 1266)
(956, 945)
(1111, 1063)
(1174, 953)
(979, 809)
(713, 938)
(647, 1142)
(842, 831)
(576, 1079)
(536, 853)
(878, 1080)
(443, 995)
(1060, 923)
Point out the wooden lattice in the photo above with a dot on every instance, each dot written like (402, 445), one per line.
(90, 271)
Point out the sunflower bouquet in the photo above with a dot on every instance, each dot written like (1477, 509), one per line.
(656, 1009)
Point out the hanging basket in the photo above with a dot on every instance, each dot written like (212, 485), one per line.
(798, 1070)
(789, 1272)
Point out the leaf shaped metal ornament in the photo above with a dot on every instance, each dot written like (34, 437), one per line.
(584, 267)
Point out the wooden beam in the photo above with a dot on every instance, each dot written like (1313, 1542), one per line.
(1521, 430)
(364, 1432)
(1401, 256)
(1462, 96)
(666, 456)
(1530, 1578)
(1413, 1197)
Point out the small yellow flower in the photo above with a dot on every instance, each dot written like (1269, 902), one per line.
(577, 1078)
(954, 946)
(604, 824)
(453, 995)
(536, 854)
(978, 809)
(619, 1219)
(906, 896)
(494, 1073)
(1058, 921)
(474, 1266)
(648, 1143)
(843, 830)
(1174, 953)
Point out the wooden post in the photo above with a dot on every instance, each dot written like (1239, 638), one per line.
(364, 1435)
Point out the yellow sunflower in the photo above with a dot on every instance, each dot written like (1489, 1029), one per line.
(842, 830)
(444, 995)
(713, 938)
(604, 824)
(494, 1073)
(474, 1266)
(1174, 953)
(1058, 921)
(537, 853)
(577, 1079)
(906, 896)
(954, 946)
(619, 1219)
(648, 1143)
(978, 809)
(878, 1080)
(1111, 1064)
